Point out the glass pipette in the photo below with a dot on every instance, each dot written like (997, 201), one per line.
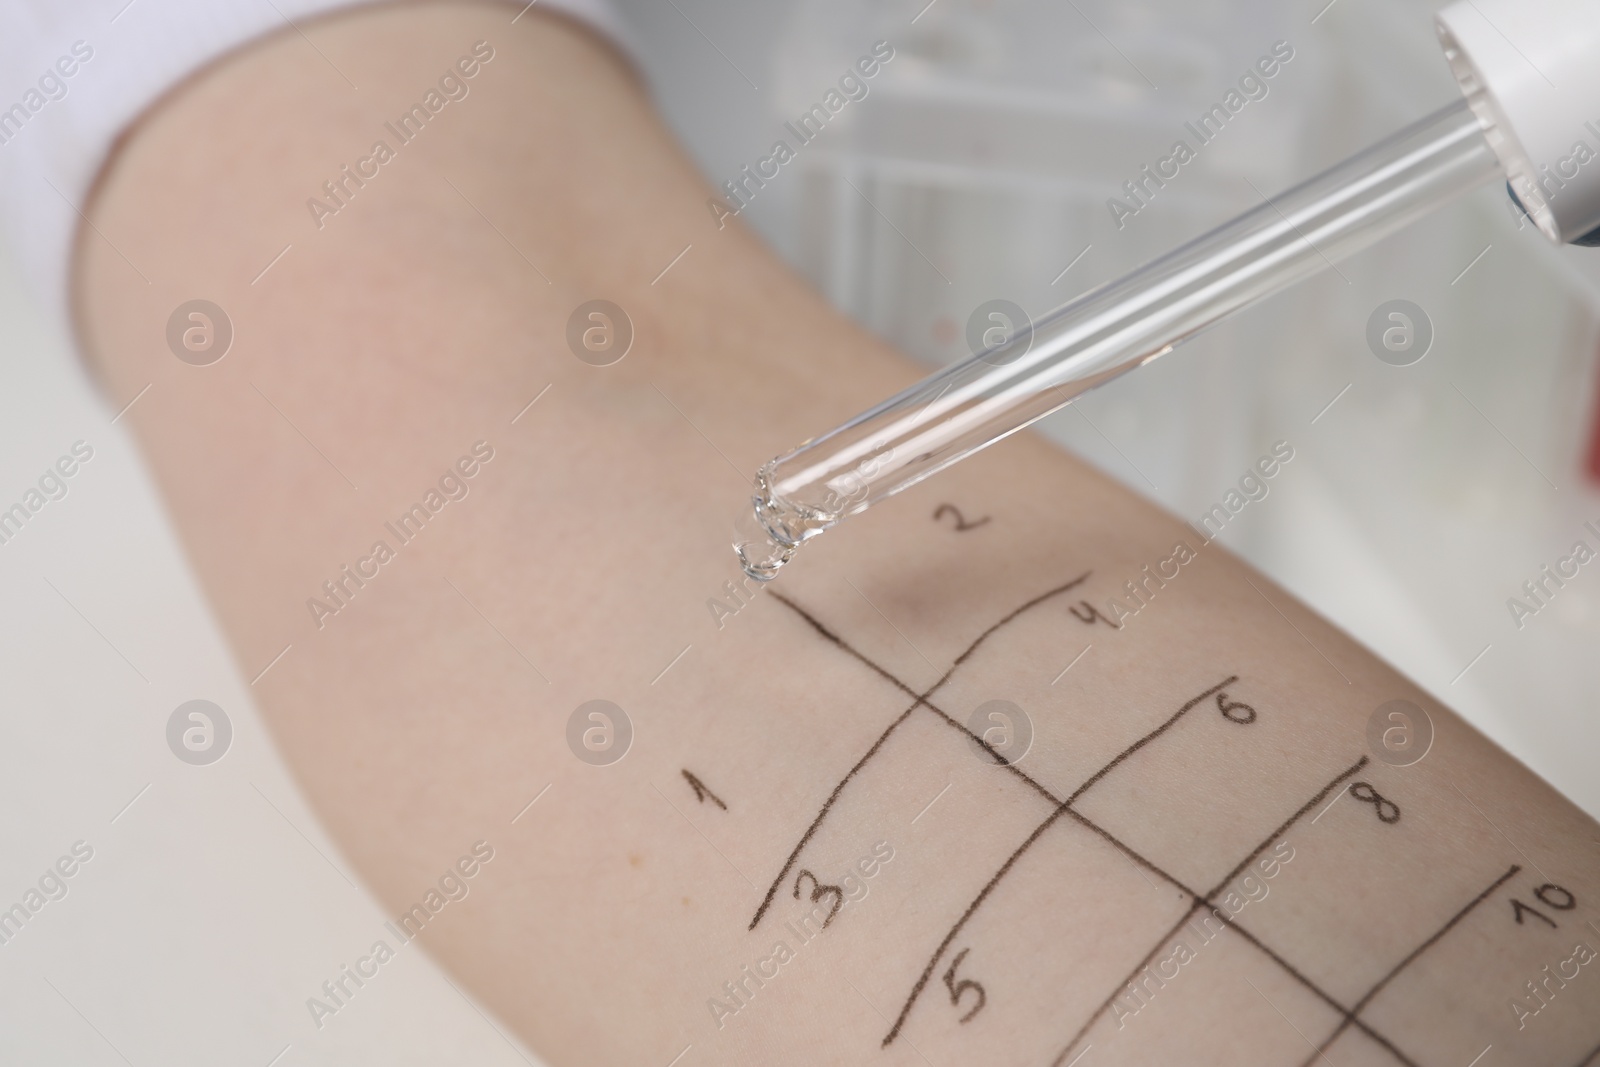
(1124, 324)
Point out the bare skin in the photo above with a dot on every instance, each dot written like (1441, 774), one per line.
(428, 710)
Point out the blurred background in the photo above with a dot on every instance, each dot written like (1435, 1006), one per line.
(979, 167)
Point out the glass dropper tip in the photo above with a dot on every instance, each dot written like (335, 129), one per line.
(769, 534)
(760, 554)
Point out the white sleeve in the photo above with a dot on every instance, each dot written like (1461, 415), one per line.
(77, 72)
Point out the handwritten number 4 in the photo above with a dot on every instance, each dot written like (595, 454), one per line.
(1549, 894)
(959, 987)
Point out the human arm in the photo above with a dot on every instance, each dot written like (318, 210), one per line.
(423, 715)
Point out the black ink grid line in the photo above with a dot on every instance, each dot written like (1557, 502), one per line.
(1409, 960)
(954, 724)
(918, 700)
(1229, 922)
(1062, 807)
(949, 720)
(1200, 901)
(1348, 1017)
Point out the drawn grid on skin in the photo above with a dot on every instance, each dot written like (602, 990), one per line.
(918, 700)
(1394, 972)
(922, 701)
(1347, 1015)
(1062, 808)
(1200, 901)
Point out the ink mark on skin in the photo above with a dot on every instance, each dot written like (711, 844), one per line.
(1203, 900)
(1519, 909)
(1382, 806)
(1360, 1005)
(1091, 614)
(1063, 807)
(962, 525)
(1233, 711)
(701, 793)
(1232, 923)
(818, 891)
(918, 700)
(958, 988)
(1388, 811)
(1570, 903)
(1547, 896)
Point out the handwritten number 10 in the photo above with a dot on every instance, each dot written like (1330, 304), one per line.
(1550, 895)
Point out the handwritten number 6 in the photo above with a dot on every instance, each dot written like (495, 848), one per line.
(1233, 711)
(818, 891)
(958, 988)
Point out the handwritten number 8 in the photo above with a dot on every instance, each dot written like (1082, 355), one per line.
(957, 988)
(1388, 811)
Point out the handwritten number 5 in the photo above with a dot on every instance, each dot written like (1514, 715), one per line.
(818, 891)
(959, 987)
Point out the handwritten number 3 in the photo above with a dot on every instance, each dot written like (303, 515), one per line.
(818, 891)
(1388, 811)
(962, 525)
(957, 988)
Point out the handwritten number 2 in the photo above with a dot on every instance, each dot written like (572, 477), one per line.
(1388, 811)
(959, 987)
(962, 525)
(818, 891)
